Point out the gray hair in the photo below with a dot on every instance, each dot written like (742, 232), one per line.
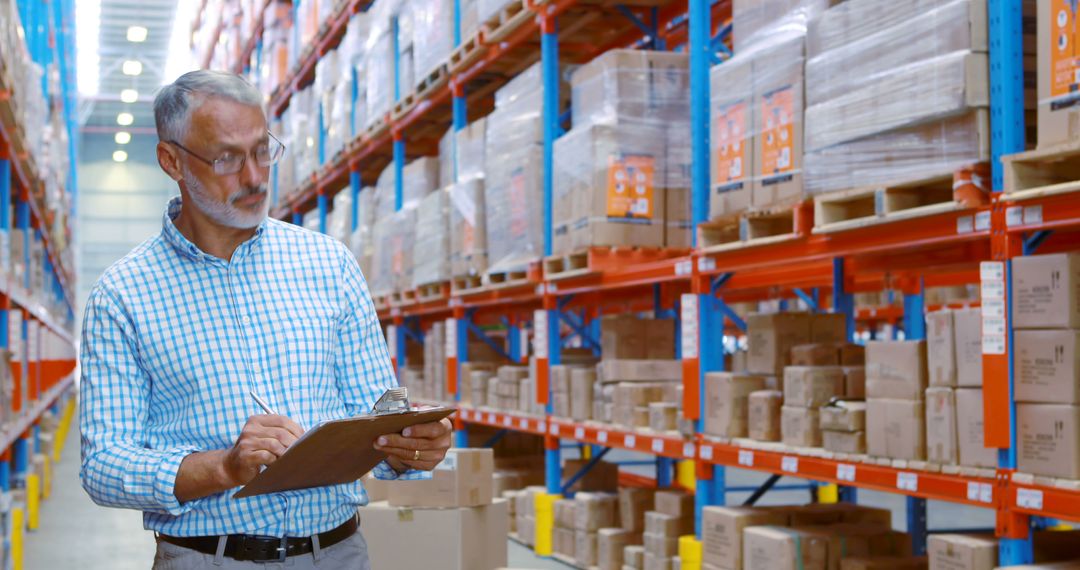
(175, 102)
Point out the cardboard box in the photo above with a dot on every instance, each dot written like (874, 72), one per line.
(779, 107)
(634, 556)
(564, 541)
(595, 511)
(962, 552)
(815, 355)
(674, 503)
(828, 328)
(585, 543)
(376, 489)
(779, 548)
(764, 415)
(628, 84)
(639, 370)
(770, 338)
(852, 355)
(610, 544)
(846, 513)
(941, 438)
(941, 348)
(653, 562)
(812, 386)
(1046, 291)
(896, 370)
(564, 512)
(727, 402)
(844, 416)
(602, 477)
(634, 502)
(621, 336)
(1048, 437)
(732, 138)
(967, 325)
(526, 529)
(663, 416)
(722, 532)
(848, 539)
(1059, 112)
(896, 429)
(467, 538)
(885, 563)
(581, 392)
(970, 429)
(855, 382)
(800, 427)
(503, 481)
(1048, 366)
(844, 441)
(660, 524)
(660, 545)
(463, 479)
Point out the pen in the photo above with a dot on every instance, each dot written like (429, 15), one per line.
(262, 403)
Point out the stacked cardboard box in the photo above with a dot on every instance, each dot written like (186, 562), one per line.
(980, 551)
(843, 426)
(806, 389)
(1046, 313)
(611, 547)
(563, 538)
(896, 381)
(634, 502)
(624, 389)
(433, 239)
(525, 512)
(866, 72)
(763, 416)
(1059, 112)
(673, 517)
(592, 512)
(722, 533)
(629, 337)
(504, 391)
(771, 336)
(727, 397)
(634, 557)
(602, 478)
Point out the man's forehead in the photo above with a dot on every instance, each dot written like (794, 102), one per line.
(228, 123)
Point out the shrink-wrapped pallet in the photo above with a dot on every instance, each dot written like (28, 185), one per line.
(393, 264)
(433, 34)
(362, 239)
(631, 84)
(432, 265)
(468, 228)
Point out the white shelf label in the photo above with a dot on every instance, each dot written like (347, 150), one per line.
(1033, 215)
(684, 268)
(508, 421)
(993, 289)
(688, 450)
(543, 427)
(451, 338)
(1014, 216)
(789, 464)
(965, 224)
(456, 302)
(491, 418)
(658, 446)
(992, 271)
(993, 326)
(540, 333)
(706, 264)
(980, 492)
(579, 433)
(992, 274)
(993, 345)
(601, 437)
(845, 472)
(907, 481)
(1029, 499)
(993, 308)
(982, 221)
(524, 424)
(706, 452)
(746, 458)
(629, 440)
(689, 331)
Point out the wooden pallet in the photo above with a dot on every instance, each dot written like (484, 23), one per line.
(469, 52)
(599, 259)
(1043, 172)
(381, 301)
(406, 297)
(508, 19)
(872, 205)
(433, 291)
(403, 106)
(437, 79)
(756, 228)
(463, 284)
(377, 128)
(501, 279)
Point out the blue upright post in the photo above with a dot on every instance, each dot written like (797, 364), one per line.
(322, 137)
(1012, 551)
(297, 219)
(5, 237)
(323, 208)
(458, 91)
(665, 469)
(21, 455)
(915, 329)
(355, 185)
(700, 55)
(843, 301)
(399, 171)
(461, 350)
(552, 453)
(513, 338)
(549, 57)
(710, 359)
(397, 57)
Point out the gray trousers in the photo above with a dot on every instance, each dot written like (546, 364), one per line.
(349, 554)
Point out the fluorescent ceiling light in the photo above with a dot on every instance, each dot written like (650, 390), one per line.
(124, 119)
(136, 34)
(129, 95)
(132, 67)
(119, 156)
(180, 60)
(123, 137)
(87, 42)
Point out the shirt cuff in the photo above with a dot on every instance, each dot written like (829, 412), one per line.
(165, 482)
(384, 472)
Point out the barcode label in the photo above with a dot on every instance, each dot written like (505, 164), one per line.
(980, 492)
(790, 464)
(1029, 499)
(845, 472)
(491, 418)
(629, 440)
(688, 450)
(579, 433)
(907, 481)
(706, 453)
(684, 268)
(658, 445)
(508, 421)
(965, 224)
(746, 458)
(601, 437)
(554, 428)
(524, 424)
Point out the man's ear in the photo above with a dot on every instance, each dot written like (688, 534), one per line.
(169, 160)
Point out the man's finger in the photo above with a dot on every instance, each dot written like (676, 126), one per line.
(277, 421)
(429, 430)
(394, 440)
(409, 455)
(261, 457)
(269, 444)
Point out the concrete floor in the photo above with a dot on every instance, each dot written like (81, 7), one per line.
(76, 533)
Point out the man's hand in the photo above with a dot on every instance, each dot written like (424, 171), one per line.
(430, 439)
(263, 440)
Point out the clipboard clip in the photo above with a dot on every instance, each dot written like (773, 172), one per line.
(393, 401)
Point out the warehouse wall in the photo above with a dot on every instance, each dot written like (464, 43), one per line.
(120, 204)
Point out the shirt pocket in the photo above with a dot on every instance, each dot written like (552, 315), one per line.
(308, 353)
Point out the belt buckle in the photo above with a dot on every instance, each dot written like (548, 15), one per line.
(283, 549)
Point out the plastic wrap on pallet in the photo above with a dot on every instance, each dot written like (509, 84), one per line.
(310, 220)
(512, 190)
(958, 26)
(631, 84)
(392, 268)
(361, 240)
(340, 222)
(470, 19)
(471, 143)
(609, 186)
(765, 22)
(468, 228)
(419, 178)
(851, 21)
(486, 9)
(731, 136)
(778, 106)
(379, 67)
(933, 149)
(916, 93)
(433, 34)
(446, 158)
(384, 192)
(433, 239)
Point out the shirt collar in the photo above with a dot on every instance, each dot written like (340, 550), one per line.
(183, 245)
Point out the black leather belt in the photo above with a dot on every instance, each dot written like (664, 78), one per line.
(263, 548)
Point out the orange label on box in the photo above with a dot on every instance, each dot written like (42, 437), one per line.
(630, 186)
(777, 131)
(731, 136)
(468, 237)
(519, 207)
(1064, 53)
(397, 259)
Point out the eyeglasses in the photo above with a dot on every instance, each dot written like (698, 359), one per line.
(265, 155)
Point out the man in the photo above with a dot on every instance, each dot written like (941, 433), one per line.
(222, 304)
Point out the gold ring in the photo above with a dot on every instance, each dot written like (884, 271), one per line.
(416, 455)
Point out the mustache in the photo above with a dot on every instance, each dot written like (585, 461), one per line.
(247, 192)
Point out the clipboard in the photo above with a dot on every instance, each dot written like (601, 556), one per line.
(335, 452)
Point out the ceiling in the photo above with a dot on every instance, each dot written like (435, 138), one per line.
(156, 16)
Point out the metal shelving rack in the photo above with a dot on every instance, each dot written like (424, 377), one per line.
(696, 289)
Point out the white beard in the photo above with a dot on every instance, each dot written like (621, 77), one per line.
(225, 213)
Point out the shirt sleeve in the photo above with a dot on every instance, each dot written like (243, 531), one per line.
(118, 467)
(362, 363)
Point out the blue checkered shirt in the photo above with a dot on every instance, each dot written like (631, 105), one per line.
(174, 340)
